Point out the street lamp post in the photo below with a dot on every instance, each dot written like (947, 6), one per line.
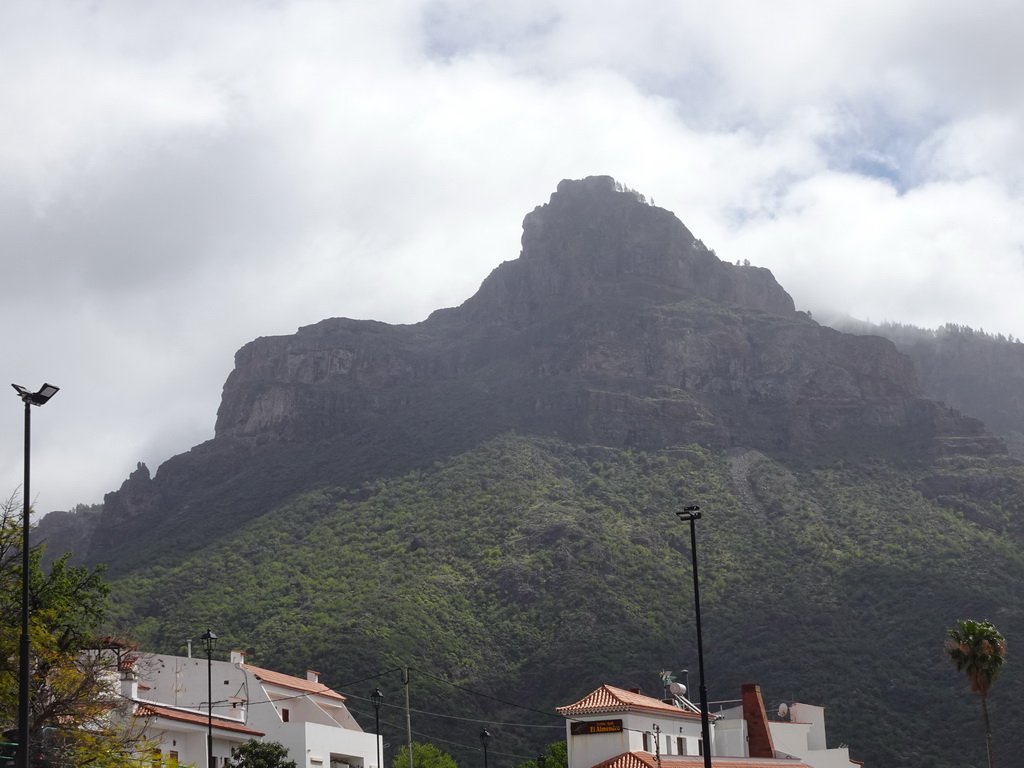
(377, 698)
(692, 514)
(29, 399)
(209, 643)
(485, 739)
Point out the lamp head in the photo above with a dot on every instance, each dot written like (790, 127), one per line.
(209, 641)
(485, 737)
(36, 398)
(691, 512)
(377, 698)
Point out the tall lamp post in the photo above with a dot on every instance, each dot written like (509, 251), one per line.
(692, 514)
(485, 739)
(377, 698)
(209, 644)
(29, 399)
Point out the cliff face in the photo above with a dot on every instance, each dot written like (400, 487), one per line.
(621, 327)
(614, 326)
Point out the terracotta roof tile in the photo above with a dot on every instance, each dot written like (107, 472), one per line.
(646, 760)
(155, 710)
(608, 698)
(294, 683)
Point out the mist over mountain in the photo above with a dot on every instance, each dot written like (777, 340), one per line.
(976, 372)
(488, 494)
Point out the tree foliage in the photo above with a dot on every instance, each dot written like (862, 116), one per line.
(260, 754)
(977, 649)
(556, 755)
(423, 756)
(74, 710)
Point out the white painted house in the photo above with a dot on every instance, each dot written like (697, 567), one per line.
(303, 714)
(617, 728)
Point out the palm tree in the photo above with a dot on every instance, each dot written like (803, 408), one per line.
(977, 648)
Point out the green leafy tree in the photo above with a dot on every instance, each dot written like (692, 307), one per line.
(423, 756)
(76, 717)
(261, 754)
(977, 649)
(555, 756)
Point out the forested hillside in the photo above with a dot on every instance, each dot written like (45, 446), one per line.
(532, 570)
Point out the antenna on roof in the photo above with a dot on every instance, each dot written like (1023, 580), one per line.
(667, 679)
(784, 711)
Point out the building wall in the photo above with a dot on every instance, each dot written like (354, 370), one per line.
(189, 744)
(313, 734)
(589, 749)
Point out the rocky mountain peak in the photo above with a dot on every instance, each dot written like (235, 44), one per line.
(597, 238)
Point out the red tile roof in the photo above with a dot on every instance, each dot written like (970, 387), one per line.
(294, 683)
(647, 760)
(155, 710)
(607, 698)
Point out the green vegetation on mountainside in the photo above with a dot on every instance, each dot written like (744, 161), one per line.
(533, 571)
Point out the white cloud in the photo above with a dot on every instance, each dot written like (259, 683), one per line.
(178, 178)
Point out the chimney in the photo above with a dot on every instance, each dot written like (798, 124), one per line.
(759, 735)
(130, 688)
(237, 657)
(313, 677)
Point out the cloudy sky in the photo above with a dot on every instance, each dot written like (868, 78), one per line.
(178, 178)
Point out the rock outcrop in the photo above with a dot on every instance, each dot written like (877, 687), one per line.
(614, 326)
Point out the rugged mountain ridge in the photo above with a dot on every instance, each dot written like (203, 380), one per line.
(651, 334)
(487, 497)
(614, 326)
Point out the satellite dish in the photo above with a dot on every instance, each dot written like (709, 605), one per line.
(677, 689)
(783, 710)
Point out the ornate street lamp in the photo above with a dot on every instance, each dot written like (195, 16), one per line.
(485, 739)
(377, 698)
(209, 644)
(29, 399)
(692, 514)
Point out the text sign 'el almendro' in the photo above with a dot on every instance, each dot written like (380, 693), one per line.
(596, 726)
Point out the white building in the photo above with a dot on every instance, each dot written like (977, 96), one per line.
(800, 733)
(616, 728)
(249, 702)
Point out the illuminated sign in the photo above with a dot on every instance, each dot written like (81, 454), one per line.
(595, 726)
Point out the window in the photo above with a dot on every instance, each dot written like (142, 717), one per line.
(172, 756)
(700, 746)
(680, 745)
(284, 715)
(647, 743)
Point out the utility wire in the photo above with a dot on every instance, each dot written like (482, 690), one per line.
(456, 717)
(486, 695)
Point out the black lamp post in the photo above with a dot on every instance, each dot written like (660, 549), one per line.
(377, 698)
(485, 739)
(692, 514)
(209, 643)
(29, 399)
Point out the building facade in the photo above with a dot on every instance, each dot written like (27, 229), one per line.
(617, 728)
(249, 702)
